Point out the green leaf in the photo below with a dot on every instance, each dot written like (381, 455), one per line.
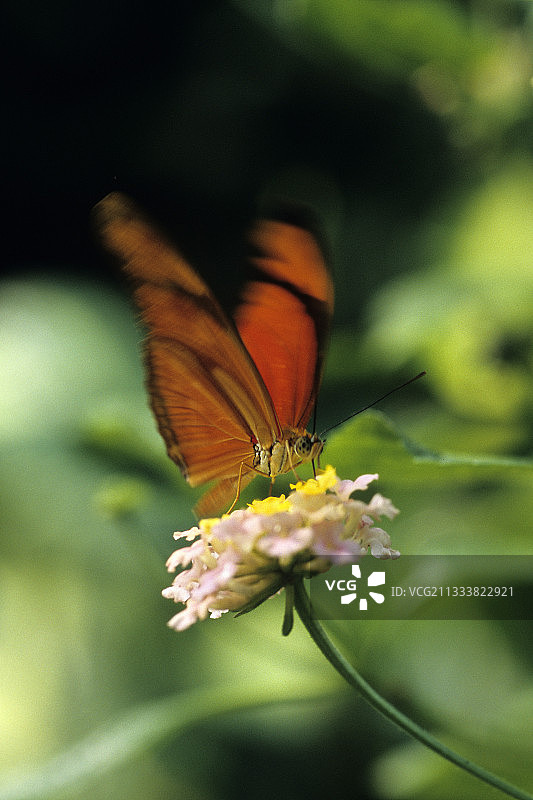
(449, 503)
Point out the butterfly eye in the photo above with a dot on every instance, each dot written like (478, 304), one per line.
(302, 446)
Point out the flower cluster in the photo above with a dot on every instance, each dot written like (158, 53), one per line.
(238, 561)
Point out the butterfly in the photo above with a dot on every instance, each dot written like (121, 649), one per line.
(231, 397)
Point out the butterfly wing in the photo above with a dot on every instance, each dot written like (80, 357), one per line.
(207, 395)
(284, 316)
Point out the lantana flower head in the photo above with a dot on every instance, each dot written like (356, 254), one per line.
(237, 561)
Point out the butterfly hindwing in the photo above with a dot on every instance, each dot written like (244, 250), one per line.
(284, 316)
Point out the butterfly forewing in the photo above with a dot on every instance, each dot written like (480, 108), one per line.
(207, 395)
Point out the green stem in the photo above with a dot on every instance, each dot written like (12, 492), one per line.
(344, 668)
(288, 619)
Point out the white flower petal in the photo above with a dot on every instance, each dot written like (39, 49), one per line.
(381, 506)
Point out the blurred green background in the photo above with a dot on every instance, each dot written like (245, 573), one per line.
(408, 126)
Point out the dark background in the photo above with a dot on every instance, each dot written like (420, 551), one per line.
(195, 108)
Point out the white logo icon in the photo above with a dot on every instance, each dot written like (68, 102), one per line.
(374, 579)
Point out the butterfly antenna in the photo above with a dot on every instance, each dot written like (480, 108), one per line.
(375, 402)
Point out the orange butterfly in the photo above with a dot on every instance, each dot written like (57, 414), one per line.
(231, 398)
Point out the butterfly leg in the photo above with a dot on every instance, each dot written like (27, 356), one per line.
(242, 468)
(292, 467)
(238, 490)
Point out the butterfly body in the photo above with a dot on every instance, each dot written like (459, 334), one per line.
(231, 396)
(295, 448)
